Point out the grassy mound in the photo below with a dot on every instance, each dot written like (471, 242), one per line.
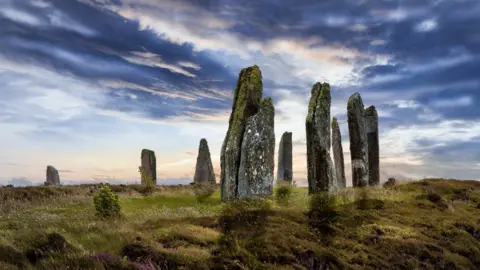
(428, 224)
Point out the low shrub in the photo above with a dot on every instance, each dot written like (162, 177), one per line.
(106, 203)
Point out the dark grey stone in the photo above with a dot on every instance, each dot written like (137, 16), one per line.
(371, 124)
(338, 154)
(284, 171)
(149, 164)
(53, 179)
(358, 140)
(204, 173)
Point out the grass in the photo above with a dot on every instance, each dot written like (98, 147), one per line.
(428, 224)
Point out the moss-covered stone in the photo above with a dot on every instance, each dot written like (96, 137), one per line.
(246, 103)
(358, 140)
(320, 171)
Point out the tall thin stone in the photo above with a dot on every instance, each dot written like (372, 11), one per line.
(320, 170)
(284, 171)
(246, 101)
(255, 174)
(371, 123)
(338, 154)
(53, 178)
(204, 173)
(149, 164)
(358, 140)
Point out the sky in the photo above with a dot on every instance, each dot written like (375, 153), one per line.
(87, 84)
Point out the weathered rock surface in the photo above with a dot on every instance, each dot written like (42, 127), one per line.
(246, 104)
(284, 171)
(204, 173)
(338, 154)
(371, 125)
(320, 170)
(358, 140)
(149, 164)
(53, 179)
(255, 174)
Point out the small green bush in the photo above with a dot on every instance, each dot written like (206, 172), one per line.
(106, 202)
(284, 192)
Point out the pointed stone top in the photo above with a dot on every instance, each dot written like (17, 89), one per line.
(203, 141)
(50, 167)
(371, 111)
(355, 98)
(287, 133)
(334, 120)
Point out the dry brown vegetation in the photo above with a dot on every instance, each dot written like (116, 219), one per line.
(428, 224)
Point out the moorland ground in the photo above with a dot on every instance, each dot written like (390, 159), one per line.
(428, 224)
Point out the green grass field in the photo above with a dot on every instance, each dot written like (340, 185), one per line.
(429, 224)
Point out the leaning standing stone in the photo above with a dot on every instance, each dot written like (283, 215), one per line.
(204, 173)
(53, 179)
(149, 165)
(255, 175)
(246, 103)
(320, 170)
(338, 154)
(371, 124)
(358, 140)
(284, 171)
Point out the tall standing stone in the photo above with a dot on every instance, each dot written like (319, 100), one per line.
(53, 179)
(284, 171)
(358, 140)
(246, 104)
(338, 154)
(255, 173)
(371, 124)
(204, 173)
(149, 165)
(321, 173)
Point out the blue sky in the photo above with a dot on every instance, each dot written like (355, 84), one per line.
(87, 84)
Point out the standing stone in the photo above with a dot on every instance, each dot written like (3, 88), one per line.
(53, 179)
(321, 173)
(149, 165)
(255, 174)
(204, 173)
(371, 124)
(338, 154)
(284, 171)
(358, 140)
(246, 104)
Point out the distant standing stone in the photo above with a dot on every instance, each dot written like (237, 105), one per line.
(53, 179)
(358, 140)
(204, 173)
(320, 171)
(284, 171)
(338, 154)
(149, 164)
(371, 124)
(255, 174)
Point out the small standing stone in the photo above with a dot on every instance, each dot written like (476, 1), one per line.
(371, 124)
(149, 165)
(338, 154)
(320, 170)
(284, 171)
(53, 179)
(358, 140)
(204, 173)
